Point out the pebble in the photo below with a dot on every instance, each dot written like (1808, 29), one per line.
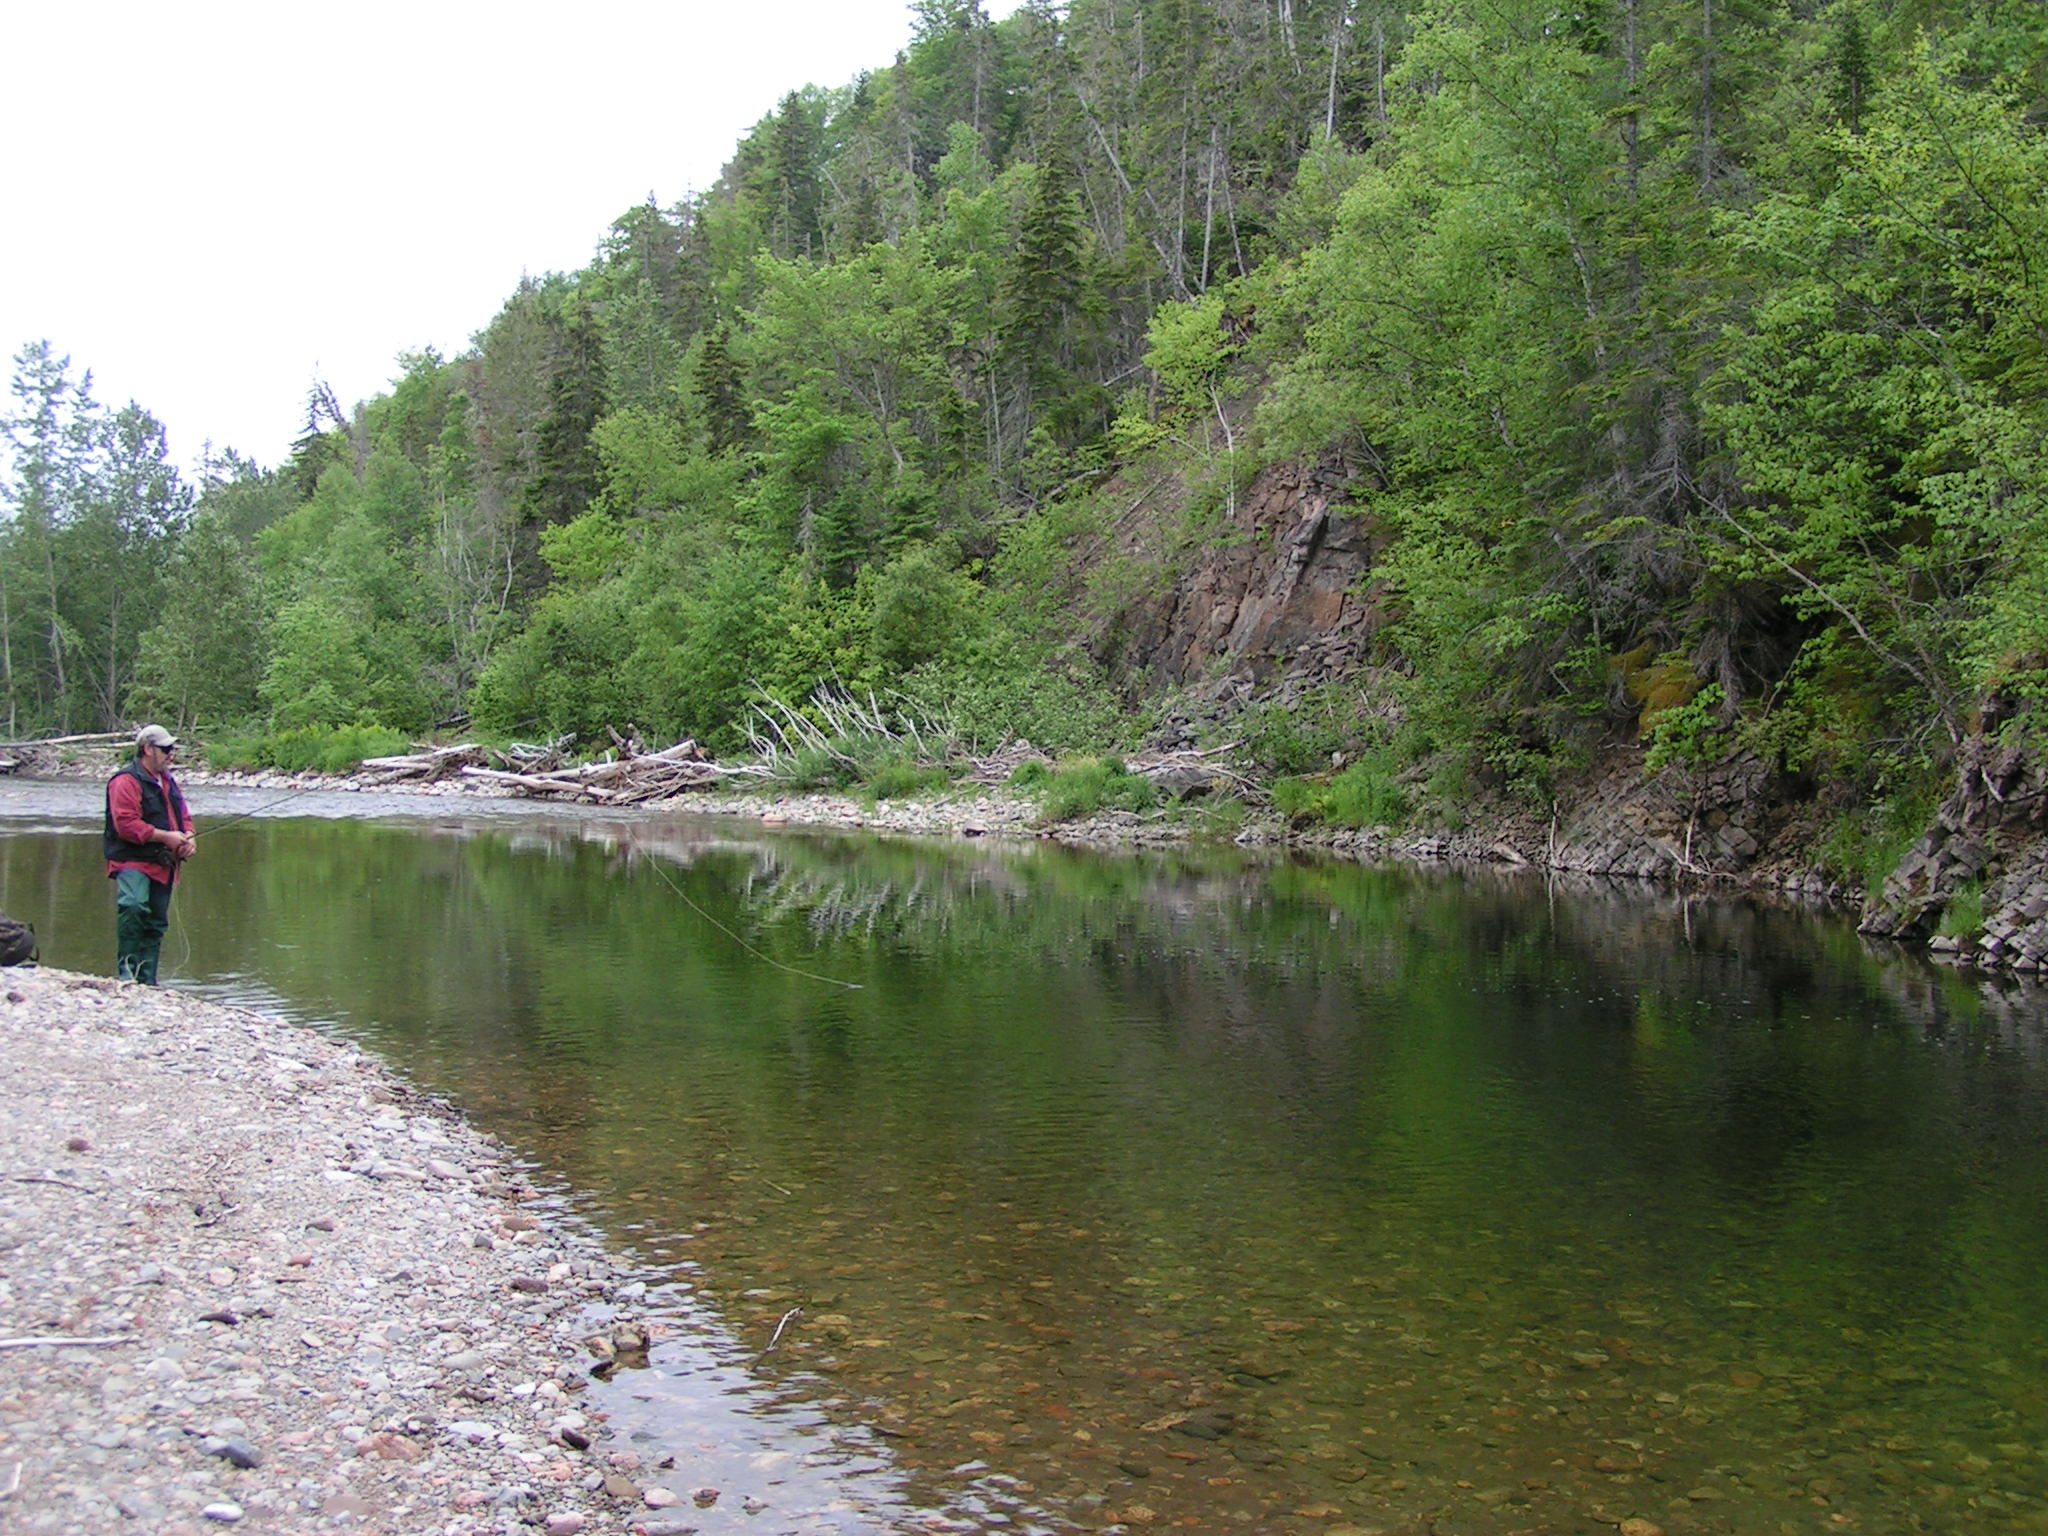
(330, 1387)
(237, 1453)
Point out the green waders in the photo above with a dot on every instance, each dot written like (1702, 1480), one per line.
(142, 914)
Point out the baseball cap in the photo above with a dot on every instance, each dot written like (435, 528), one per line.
(155, 736)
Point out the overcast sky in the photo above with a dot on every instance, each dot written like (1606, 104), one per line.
(211, 202)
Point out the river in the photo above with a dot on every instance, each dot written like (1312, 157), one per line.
(999, 1187)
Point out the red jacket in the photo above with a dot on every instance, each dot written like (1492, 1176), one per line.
(124, 811)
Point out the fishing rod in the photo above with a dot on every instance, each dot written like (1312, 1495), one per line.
(268, 805)
(830, 981)
(304, 789)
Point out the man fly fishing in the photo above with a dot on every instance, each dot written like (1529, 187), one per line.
(148, 835)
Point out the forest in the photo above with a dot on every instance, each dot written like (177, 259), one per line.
(1690, 355)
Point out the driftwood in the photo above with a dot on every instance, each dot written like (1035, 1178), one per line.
(422, 767)
(1187, 773)
(92, 738)
(39, 755)
(627, 778)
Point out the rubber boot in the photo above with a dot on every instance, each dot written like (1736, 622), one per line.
(141, 914)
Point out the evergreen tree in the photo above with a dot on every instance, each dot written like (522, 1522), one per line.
(1045, 331)
(51, 432)
(720, 391)
(795, 195)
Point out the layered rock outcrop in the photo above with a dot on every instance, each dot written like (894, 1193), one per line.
(1984, 862)
(1283, 598)
(1281, 595)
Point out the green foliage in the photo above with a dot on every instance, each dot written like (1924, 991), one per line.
(813, 769)
(997, 693)
(1963, 916)
(1211, 818)
(1885, 403)
(584, 552)
(320, 749)
(1865, 844)
(1086, 786)
(1691, 734)
(1190, 349)
(202, 657)
(1362, 794)
(1302, 735)
(902, 781)
(919, 608)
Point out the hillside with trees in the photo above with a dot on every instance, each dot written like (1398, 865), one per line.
(1690, 358)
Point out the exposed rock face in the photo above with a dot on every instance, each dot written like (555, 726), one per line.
(1283, 598)
(1990, 829)
(1712, 821)
(1282, 594)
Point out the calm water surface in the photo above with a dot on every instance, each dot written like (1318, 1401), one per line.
(1193, 1192)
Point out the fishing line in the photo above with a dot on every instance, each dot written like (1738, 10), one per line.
(184, 938)
(830, 981)
(683, 895)
(268, 805)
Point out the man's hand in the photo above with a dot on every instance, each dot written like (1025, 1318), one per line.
(182, 845)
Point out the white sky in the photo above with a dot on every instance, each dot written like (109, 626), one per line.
(210, 202)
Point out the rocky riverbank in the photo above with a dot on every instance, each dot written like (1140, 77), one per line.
(249, 1279)
(1734, 826)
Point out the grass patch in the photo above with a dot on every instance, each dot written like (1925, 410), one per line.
(1090, 785)
(1365, 794)
(321, 748)
(1865, 845)
(904, 781)
(1963, 917)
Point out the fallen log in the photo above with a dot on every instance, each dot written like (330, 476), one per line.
(434, 763)
(545, 784)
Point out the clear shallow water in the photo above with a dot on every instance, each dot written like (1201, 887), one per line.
(1195, 1192)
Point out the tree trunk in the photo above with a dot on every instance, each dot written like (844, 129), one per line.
(1336, 53)
(1706, 109)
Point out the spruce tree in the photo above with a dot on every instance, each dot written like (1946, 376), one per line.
(721, 391)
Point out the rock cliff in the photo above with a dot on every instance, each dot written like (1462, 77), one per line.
(1282, 597)
(1982, 865)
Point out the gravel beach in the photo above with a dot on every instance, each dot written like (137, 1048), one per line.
(249, 1279)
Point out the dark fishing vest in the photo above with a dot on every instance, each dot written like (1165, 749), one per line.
(155, 811)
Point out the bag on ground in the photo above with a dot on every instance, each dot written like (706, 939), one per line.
(17, 941)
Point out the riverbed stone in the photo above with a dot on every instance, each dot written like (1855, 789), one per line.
(241, 1375)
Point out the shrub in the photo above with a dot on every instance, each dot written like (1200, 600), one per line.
(1296, 798)
(812, 768)
(1365, 794)
(1963, 917)
(897, 781)
(1213, 818)
(1691, 733)
(322, 748)
(1865, 845)
(1089, 785)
